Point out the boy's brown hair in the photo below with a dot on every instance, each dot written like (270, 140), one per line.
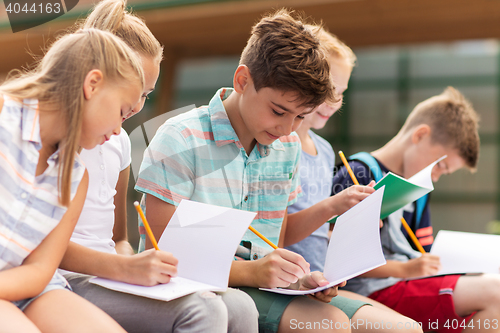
(284, 54)
(453, 122)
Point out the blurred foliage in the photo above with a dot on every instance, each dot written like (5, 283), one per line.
(493, 227)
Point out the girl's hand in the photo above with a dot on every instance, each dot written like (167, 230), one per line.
(149, 268)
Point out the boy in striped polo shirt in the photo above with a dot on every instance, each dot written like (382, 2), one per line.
(241, 151)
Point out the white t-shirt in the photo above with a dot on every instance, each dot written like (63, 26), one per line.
(104, 164)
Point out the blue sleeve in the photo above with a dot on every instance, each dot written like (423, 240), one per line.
(342, 180)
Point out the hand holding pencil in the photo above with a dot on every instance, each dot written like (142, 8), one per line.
(150, 267)
(405, 225)
(350, 196)
(280, 268)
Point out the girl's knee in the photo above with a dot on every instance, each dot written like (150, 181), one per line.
(239, 303)
(242, 312)
(208, 309)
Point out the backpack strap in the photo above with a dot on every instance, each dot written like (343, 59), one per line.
(374, 167)
(370, 162)
(420, 206)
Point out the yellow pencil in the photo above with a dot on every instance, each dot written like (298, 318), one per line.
(146, 225)
(412, 235)
(262, 237)
(342, 157)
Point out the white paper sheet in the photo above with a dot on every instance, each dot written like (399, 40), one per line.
(354, 246)
(204, 239)
(465, 252)
(177, 287)
(423, 177)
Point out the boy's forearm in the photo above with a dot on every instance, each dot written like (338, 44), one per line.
(158, 214)
(241, 274)
(392, 268)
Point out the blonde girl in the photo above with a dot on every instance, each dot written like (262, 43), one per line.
(76, 97)
(99, 244)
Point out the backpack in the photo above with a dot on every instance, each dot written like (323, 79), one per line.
(376, 173)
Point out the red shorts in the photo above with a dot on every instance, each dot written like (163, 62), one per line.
(427, 301)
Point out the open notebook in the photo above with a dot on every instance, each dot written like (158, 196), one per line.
(399, 191)
(204, 239)
(354, 246)
(466, 252)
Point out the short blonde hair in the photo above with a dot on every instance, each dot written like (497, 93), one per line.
(58, 79)
(334, 46)
(112, 16)
(453, 122)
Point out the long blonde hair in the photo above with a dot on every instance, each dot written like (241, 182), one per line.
(112, 16)
(57, 81)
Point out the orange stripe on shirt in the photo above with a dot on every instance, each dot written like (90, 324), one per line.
(13, 241)
(14, 169)
(294, 194)
(198, 134)
(222, 93)
(423, 232)
(160, 190)
(142, 230)
(21, 177)
(426, 240)
(269, 215)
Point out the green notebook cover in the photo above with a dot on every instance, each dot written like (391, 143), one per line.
(398, 193)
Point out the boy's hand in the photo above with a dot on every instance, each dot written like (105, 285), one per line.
(351, 196)
(280, 268)
(426, 265)
(149, 268)
(316, 279)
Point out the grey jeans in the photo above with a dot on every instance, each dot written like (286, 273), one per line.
(231, 311)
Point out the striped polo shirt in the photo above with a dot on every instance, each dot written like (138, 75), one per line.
(29, 205)
(198, 156)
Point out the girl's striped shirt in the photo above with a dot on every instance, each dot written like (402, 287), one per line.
(29, 204)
